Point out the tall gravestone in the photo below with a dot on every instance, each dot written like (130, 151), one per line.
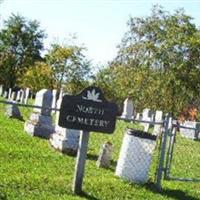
(54, 92)
(22, 96)
(1, 90)
(9, 93)
(157, 127)
(26, 95)
(40, 122)
(128, 110)
(146, 116)
(190, 133)
(64, 140)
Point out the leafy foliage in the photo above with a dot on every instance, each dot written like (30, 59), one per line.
(158, 62)
(69, 65)
(37, 77)
(20, 44)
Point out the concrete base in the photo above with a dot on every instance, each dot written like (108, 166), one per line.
(66, 141)
(39, 125)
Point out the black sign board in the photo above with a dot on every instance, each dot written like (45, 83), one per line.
(88, 111)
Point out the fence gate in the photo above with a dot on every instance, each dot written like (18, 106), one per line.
(182, 155)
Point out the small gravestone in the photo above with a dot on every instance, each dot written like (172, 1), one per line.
(64, 140)
(1, 90)
(12, 111)
(54, 92)
(146, 116)
(26, 95)
(158, 118)
(137, 116)
(9, 93)
(18, 96)
(40, 122)
(22, 96)
(128, 110)
(189, 133)
(5, 95)
(105, 155)
(13, 96)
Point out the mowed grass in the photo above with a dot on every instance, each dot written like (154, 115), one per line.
(31, 169)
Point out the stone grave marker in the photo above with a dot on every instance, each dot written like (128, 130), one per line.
(146, 117)
(64, 140)
(26, 95)
(128, 110)
(189, 133)
(158, 118)
(105, 155)
(40, 122)
(1, 90)
(12, 111)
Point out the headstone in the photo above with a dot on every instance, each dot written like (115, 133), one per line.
(135, 156)
(54, 92)
(13, 94)
(146, 116)
(40, 122)
(12, 111)
(64, 140)
(9, 93)
(190, 133)
(1, 90)
(157, 127)
(105, 155)
(128, 110)
(22, 96)
(18, 95)
(5, 95)
(26, 95)
(137, 116)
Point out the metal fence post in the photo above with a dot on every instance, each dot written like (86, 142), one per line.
(162, 154)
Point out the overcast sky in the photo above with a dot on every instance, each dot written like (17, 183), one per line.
(98, 24)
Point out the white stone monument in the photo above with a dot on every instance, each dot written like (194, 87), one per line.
(158, 118)
(64, 140)
(146, 117)
(22, 96)
(135, 156)
(26, 95)
(40, 122)
(189, 133)
(54, 92)
(1, 90)
(9, 93)
(128, 110)
(105, 155)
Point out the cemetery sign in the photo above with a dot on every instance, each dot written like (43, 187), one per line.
(88, 111)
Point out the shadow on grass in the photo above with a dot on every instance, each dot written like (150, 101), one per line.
(112, 166)
(87, 196)
(176, 194)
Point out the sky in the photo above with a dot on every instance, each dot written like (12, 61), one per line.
(98, 24)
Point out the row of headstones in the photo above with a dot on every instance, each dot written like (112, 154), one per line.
(19, 96)
(147, 115)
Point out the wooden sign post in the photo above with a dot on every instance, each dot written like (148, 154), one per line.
(80, 162)
(88, 111)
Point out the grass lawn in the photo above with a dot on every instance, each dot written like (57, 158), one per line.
(31, 169)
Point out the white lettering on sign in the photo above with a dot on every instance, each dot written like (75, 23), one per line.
(87, 121)
(89, 110)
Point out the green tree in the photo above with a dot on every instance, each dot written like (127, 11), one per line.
(159, 60)
(37, 77)
(21, 42)
(69, 65)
